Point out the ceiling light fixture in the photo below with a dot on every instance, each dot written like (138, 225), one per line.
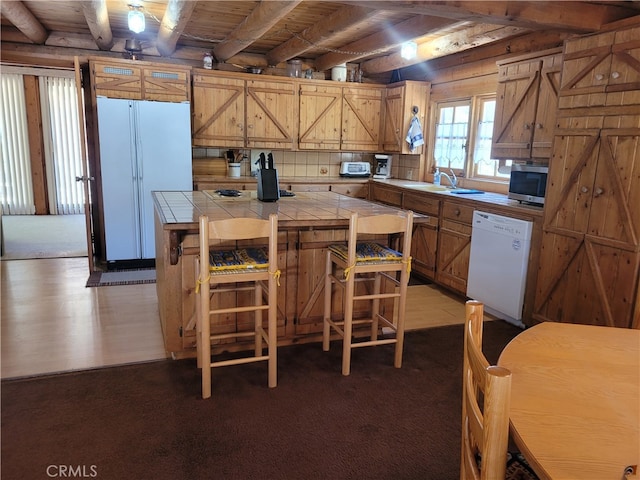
(409, 50)
(136, 19)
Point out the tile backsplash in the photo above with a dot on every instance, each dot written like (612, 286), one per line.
(316, 164)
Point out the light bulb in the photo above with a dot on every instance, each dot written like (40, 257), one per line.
(136, 20)
(409, 50)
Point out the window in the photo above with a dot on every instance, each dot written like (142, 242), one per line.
(462, 139)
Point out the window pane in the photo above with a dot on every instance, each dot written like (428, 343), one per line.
(484, 165)
(451, 136)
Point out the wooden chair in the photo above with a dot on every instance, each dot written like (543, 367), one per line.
(485, 406)
(224, 272)
(365, 261)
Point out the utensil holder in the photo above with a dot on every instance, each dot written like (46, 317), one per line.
(234, 170)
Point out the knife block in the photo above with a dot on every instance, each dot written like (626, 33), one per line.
(268, 187)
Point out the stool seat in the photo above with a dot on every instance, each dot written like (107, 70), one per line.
(383, 273)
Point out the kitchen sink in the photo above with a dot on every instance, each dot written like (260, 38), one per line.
(427, 187)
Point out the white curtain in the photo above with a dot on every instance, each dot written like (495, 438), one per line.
(450, 144)
(62, 144)
(16, 189)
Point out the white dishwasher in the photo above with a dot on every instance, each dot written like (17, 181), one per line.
(498, 264)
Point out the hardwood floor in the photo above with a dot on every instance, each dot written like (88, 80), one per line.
(52, 323)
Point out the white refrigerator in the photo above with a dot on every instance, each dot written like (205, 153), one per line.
(144, 146)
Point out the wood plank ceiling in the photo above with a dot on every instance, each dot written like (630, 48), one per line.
(268, 33)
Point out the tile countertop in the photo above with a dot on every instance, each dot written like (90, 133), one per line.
(491, 198)
(181, 209)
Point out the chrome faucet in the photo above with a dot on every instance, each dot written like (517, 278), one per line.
(453, 180)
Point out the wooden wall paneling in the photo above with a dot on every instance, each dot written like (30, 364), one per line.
(36, 144)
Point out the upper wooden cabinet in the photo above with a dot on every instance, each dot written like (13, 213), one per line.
(218, 111)
(233, 111)
(272, 114)
(526, 103)
(140, 80)
(339, 117)
(361, 113)
(320, 116)
(602, 69)
(400, 102)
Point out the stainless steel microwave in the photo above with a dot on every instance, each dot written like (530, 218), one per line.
(528, 183)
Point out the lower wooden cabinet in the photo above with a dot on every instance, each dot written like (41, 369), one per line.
(424, 243)
(454, 246)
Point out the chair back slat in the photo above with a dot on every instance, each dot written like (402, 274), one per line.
(485, 405)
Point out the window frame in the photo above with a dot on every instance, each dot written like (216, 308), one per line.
(475, 103)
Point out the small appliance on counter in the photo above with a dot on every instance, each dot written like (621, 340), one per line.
(383, 166)
(268, 186)
(355, 169)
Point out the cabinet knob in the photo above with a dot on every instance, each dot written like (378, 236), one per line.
(599, 191)
(539, 126)
(584, 189)
(599, 76)
(527, 126)
(615, 75)
(457, 212)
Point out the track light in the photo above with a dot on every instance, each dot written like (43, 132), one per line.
(409, 50)
(136, 19)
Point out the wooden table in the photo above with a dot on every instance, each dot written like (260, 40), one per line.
(575, 404)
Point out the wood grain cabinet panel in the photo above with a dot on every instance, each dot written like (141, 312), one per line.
(527, 98)
(590, 253)
(454, 246)
(424, 243)
(272, 114)
(361, 109)
(388, 195)
(399, 103)
(601, 70)
(320, 117)
(218, 111)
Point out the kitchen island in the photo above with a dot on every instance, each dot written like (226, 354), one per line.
(307, 224)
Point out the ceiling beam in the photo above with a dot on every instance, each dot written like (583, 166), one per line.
(320, 32)
(22, 18)
(449, 44)
(262, 18)
(385, 39)
(97, 17)
(176, 17)
(565, 15)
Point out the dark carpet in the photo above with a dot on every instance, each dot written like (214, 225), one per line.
(148, 421)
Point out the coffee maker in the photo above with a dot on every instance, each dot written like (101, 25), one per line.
(382, 166)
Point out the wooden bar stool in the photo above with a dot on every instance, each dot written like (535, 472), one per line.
(369, 263)
(225, 271)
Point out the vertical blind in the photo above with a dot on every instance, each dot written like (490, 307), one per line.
(62, 144)
(16, 191)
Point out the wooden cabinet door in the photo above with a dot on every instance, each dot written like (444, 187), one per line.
(320, 117)
(163, 83)
(271, 114)
(218, 111)
(401, 103)
(590, 256)
(601, 70)
(115, 79)
(547, 105)
(388, 195)
(392, 136)
(424, 243)
(454, 246)
(361, 118)
(517, 97)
